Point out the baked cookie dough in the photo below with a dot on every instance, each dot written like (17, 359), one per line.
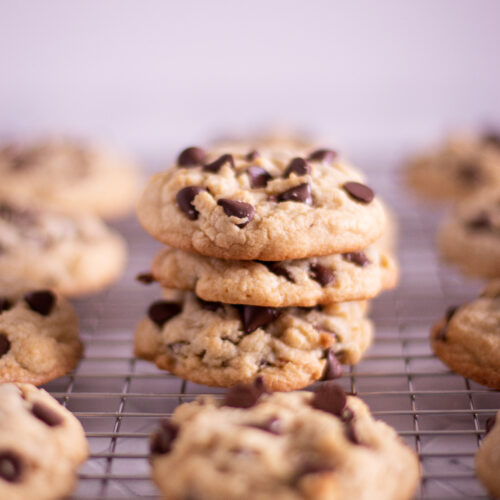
(459, 168)
(468, 338)
(72, 254)
(284, 446)
(307, 282)
(41, 445)
(488, 457)
(221, 345)
(69, 177)
(272, 206)
(470, 238)
(38, 337)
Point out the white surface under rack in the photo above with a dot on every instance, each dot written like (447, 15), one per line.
(119, 399)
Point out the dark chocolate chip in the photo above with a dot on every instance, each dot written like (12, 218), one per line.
(490, 423)
(252, 155)
(481, 222)
(5, 305)
(358, 258)
(4, 344)
(161, 311)
(492, 137)
(278, 269)
(333, 368)
(162, 439)
(329, 397)
(322, 155)
(323, 275)
(11, 466)
(216, 165)
(185, 199)
(301, 193)
(254, 317)
(273, 426)
(359, 192)
(209, 306)
(298, 166)
(470, 174)
(245, 395)
(233, 208)
(258, 176)
(191, 157)
(46, 414)
(41, 301)
(145, 278)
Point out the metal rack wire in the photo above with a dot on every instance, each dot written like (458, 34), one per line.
(119, 399)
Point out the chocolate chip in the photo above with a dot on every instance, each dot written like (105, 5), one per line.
(191, 157)
(185, 199)
(490, 423)
(11, 466)
(322, 155)
(298, 166)
(19, 217)
(258, 176)
(359, 192)
(273, 426)
(41, 301)
(4, 344)
(329, 397)
(254, 317)
(301, 193)
(46, 414)
(323, 275)
(470, 174)
(216, 165)
(145, 278)
(492, 137)
(278, 269)
(358, 258)
(5, 305)
(209, 306)
(252, 155)
(161, 311)
(245, 395)
(162, 439)
(481, 222)
(238, 209)
(333, 368)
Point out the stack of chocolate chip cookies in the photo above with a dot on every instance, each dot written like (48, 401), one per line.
(272, 255)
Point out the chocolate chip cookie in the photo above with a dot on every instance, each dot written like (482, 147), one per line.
(38, 337)
(220, 344)
(306, 282)
(470, 238)
(74, 255)
(270, 207)
(488, 457)
(68, 176)
(457, 169)
(41, 445)
(283, 446)
(468, 338)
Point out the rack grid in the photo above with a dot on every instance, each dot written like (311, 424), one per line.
(119, 399)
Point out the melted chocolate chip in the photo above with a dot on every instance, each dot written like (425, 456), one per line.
(254, 317)
(191, 157)
(4, 344)
(358, 258)
(41, 301)
(209, 306)
(216, 165)
(323, 275)
(161, 311)
(185, 199)
(258, 176)
(145, 278)
(329, 397)
(298, 166)
(333, 368)
(359, 192)
(470, 174)
(490, 423)
(322, 155)
(273, 426)
(11, 466)
(301, 193)
(238, 209)
(252, 155)
(481, 222)
(162, 439)
(46, 414)
(245, 395)
(5, 305)
(278, 269)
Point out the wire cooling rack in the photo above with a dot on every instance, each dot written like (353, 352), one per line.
(119, 399)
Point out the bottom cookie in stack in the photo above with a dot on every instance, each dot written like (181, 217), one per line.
(218, 344)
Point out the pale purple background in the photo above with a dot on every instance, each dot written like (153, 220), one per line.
(152, 76)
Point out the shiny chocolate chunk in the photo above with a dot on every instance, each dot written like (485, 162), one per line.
(301, 193)
(254, 317)
(329, 397)
(11, 466)
(359, 192)
(481, 222)
(4, 344)
(216, 165)
(191, 157)
(323, 275)
(161, 311)
(239, 209)
(259, 177)
(298, 166)
(245, 395)
(358, 258)
(5, 304)
(145, 278)
(278, 269)
(185, 198)
(322, 155)
(209, 306)
(41, 301)
(333, 368)
(163, 439)
(252, 155)
(46, 414)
